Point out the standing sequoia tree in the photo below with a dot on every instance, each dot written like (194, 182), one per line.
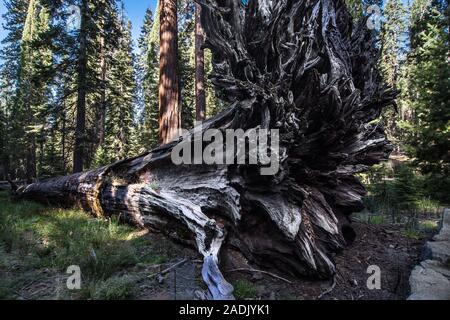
(301, 67)
(169, 87)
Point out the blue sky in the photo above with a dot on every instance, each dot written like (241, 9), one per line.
(136, 13)
(135, 10)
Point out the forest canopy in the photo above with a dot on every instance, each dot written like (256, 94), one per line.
(41, 83)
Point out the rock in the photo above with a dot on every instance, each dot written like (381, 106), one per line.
(427, 284)
(430, 280)
(446, 218)
(437, 266)
(444, 235)
(438, 250)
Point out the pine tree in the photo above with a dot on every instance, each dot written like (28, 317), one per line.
(148, 79)
(120, 117)
(392, 39)
(186, 62)
(430, 80)
(30, 103)
(13, 154)
(142, 65)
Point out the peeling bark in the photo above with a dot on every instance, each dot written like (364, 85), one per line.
(301, 67)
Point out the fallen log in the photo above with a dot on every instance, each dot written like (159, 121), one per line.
(300, 67)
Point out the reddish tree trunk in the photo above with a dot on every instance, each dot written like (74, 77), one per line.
(169, 111)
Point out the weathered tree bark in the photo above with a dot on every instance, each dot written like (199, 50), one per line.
(169, 92)
(80, 128)
(200, 96)
(301, 67)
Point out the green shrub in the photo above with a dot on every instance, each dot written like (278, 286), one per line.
(244, 290)
(437, 188)
(376, 219)
(403, 190)
(115, 288)
(407, 188)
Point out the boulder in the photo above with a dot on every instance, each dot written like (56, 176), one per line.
(438, 250)
(437, 266)
(427, 284)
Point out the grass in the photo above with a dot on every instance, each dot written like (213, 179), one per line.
(428, 225)
(35, 238)
(114, 288)
(244, 289)
(411, 233)
(376, 219)
(402, 196)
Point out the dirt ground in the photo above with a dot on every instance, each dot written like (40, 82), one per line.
(383, 246)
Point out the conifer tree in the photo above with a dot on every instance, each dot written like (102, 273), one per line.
(392, 38)
(120, 117)
(429, 80)
(13, 154)
(33, 84)
(148, 79)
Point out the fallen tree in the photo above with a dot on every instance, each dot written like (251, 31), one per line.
(301, 67)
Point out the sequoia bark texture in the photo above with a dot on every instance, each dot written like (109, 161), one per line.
(169, 87)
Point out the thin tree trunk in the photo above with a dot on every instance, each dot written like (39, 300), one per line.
(31, 147)
(79, 149)
(169, 95)
(200, 96)
(102, 112)
(63, 137)
(31, 162)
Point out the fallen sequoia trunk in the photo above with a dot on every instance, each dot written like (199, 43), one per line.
(301, 67)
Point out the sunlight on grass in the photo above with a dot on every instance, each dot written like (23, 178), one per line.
(411, 233)
(428, 225)
(35, 237)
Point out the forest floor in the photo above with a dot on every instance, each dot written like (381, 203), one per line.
(38, 244)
